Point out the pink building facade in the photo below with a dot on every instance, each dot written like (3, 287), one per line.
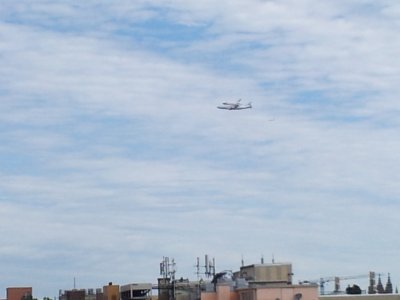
(283, 292)
(223, 292)
(295, 292)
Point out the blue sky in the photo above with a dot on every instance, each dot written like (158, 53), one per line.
(114, 155)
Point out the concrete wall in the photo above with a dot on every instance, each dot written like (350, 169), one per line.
(362, 297)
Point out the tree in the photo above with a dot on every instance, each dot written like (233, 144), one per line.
(354, 290)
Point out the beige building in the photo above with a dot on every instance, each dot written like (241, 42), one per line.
(262, 282)
(278, 292)
(111, 292)
(266, 273)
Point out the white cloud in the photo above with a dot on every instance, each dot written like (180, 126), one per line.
(112, 146)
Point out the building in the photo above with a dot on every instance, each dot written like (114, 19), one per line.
(80, 294)
(260, 292)
(92, 295)
(18, 293)
(165, 290)
(181, 289)
(72, 295)
(266, 273)
(289, 292)
(133, 291)
(111, 292)
(136, 291)
(261, 282)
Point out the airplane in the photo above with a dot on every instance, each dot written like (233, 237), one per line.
(234, 106)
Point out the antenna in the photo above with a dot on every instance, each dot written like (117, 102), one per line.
(206, 264)
(213, 267)
(209, 266)
(167, 269)
(198, 268)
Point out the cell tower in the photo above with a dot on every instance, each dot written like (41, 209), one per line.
(209, 267)
(166, 284)
(167, 268)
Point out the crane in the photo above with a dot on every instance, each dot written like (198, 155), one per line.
(321, 281)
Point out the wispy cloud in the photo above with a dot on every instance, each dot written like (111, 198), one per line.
(112, 146)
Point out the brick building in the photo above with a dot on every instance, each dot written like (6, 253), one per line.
(17, 293)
